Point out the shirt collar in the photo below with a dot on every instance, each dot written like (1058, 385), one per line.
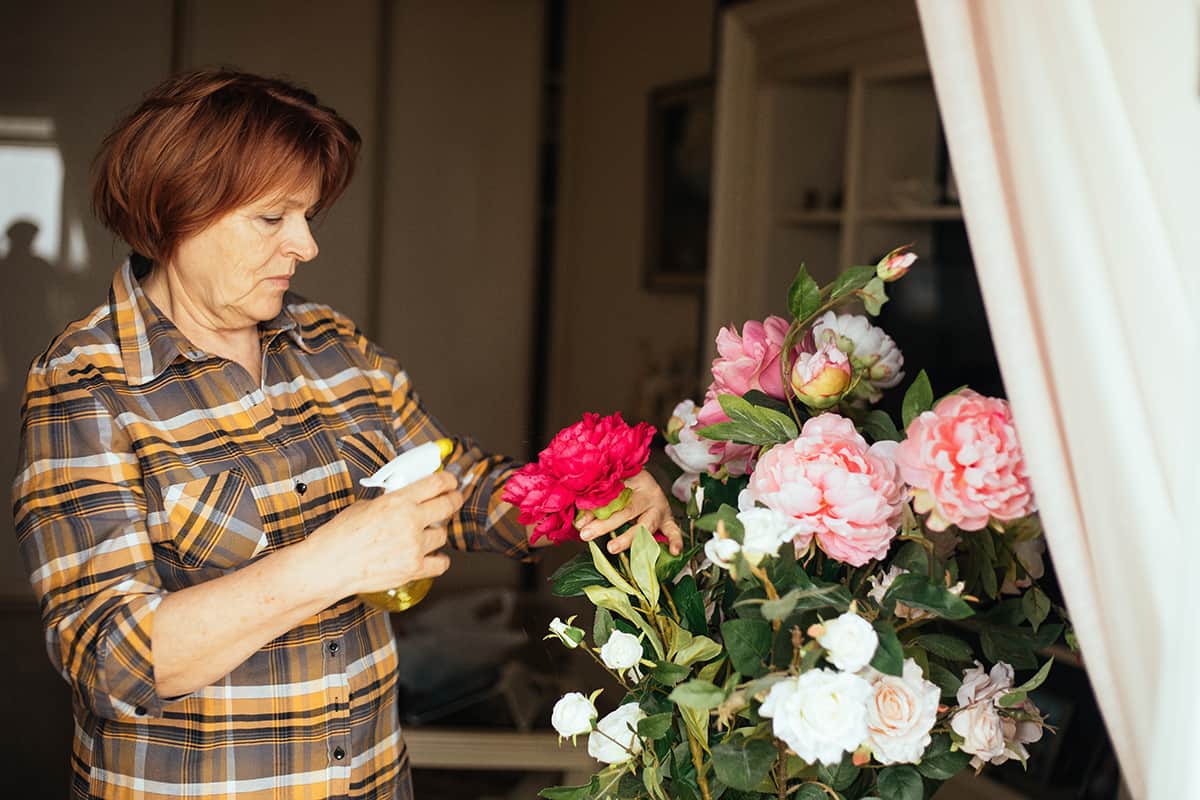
(150, 342)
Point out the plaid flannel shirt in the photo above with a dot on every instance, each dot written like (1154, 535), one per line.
(147, 466)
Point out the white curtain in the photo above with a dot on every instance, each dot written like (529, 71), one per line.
(1074, 131)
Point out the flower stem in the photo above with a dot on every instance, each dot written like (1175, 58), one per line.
(698, 763)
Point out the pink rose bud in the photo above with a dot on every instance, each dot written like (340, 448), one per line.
(820, 379)
(893, 266)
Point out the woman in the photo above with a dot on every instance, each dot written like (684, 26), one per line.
(187, 499)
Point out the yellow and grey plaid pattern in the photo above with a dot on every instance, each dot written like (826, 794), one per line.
(147, 466)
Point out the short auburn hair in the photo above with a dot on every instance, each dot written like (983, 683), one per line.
(203, 143)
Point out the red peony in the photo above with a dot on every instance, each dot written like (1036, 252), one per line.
(584, 467)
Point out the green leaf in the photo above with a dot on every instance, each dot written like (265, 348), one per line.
(873, 296)
(668, 566)
(696, 721)
(669, 674)
(917, 591)
(690, 604)
(780, 608)
(698, 695)
(1036, 606)
(571, 578)
(901, 783)
(812, 597)
(840, 775)
(602, 628)
(655, 726)
(943, 646)
(744, 766)
(889, 655)
(701, 648)
(709, 671)
(727, 514)
(585, 792)
(850, 281)
(750, 424)
(605, 568)
(912, 557)
(917, 400)
(1017, 696)
(804, 295)
(946, 680)
(1015, 645)
(811, 791)
(878, 425)
(617, 601)
(940, 763)
(748, 642)
(756, 398)
(643, 555)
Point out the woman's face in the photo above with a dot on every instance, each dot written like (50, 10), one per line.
(235, 272)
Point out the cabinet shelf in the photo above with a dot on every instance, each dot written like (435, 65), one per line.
(914, 214)
(801, 218)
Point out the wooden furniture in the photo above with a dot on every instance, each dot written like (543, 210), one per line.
(444, 748)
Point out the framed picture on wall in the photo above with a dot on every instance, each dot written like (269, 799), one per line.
(679, 185)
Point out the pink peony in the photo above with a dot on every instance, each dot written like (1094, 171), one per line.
(820, 379)
(735, 458)
(895, 264)
(751, 360)
(965, 464)
(840, 490)
(584, 466)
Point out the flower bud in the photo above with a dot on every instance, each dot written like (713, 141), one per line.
(820, 379)
(893, 266)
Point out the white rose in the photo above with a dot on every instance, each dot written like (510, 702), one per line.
(982, 732)
(1018, 733)
(566, 633)
(870, 349)
(820, 714)
(900, 713)
(692, 453)
(766, 530)
(850, 642)
(621, 651)
(615, 739)
(573, 714)
(721, 551)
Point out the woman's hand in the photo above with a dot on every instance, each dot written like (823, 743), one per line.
(392, 539)
(648, 506)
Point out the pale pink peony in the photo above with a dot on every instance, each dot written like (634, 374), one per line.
(735, 458)
(965, 464)
(838, 489)
(751, 360)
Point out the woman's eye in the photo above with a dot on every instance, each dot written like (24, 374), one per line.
(272, 220)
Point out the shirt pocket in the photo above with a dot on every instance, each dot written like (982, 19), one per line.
(364, 453)
(214, 520)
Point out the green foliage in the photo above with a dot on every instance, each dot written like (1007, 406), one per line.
(946, 680)
(917, 591)
(690, 604)
(841, 775)
(744, 765)
(585, 792)
(655, 726)
(669, 674)
(1036, 606)
(1019, 695)
(804, 295)
(574, 576)
(917, 400)
(1016, 645)
(697, 695)
(943, 646)
(940, 763)
(748, 642)
(901, 782)
(751, 424)
(879, 427)
(889, 656)
(850, 281)
(722, 492)
(602, 627)
(643, 556)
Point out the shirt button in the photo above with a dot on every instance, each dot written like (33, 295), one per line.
(301, 487)
(338, 754)
(140, 711)
(333, 648)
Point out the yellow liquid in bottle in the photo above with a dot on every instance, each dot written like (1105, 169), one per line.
(406, 595)
(401, 598)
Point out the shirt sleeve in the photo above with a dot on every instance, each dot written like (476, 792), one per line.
(486, 522)
(80, 513)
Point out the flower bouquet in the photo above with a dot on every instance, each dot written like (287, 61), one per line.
(857, 597)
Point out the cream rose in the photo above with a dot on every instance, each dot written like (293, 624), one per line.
(766, 530)
(820, 714)
(622, 651)
(567, 633)
(850, 642)
(721, 551)
(615, 739)
(900, 713)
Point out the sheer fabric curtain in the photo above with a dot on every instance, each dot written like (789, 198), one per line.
(1074, 130)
